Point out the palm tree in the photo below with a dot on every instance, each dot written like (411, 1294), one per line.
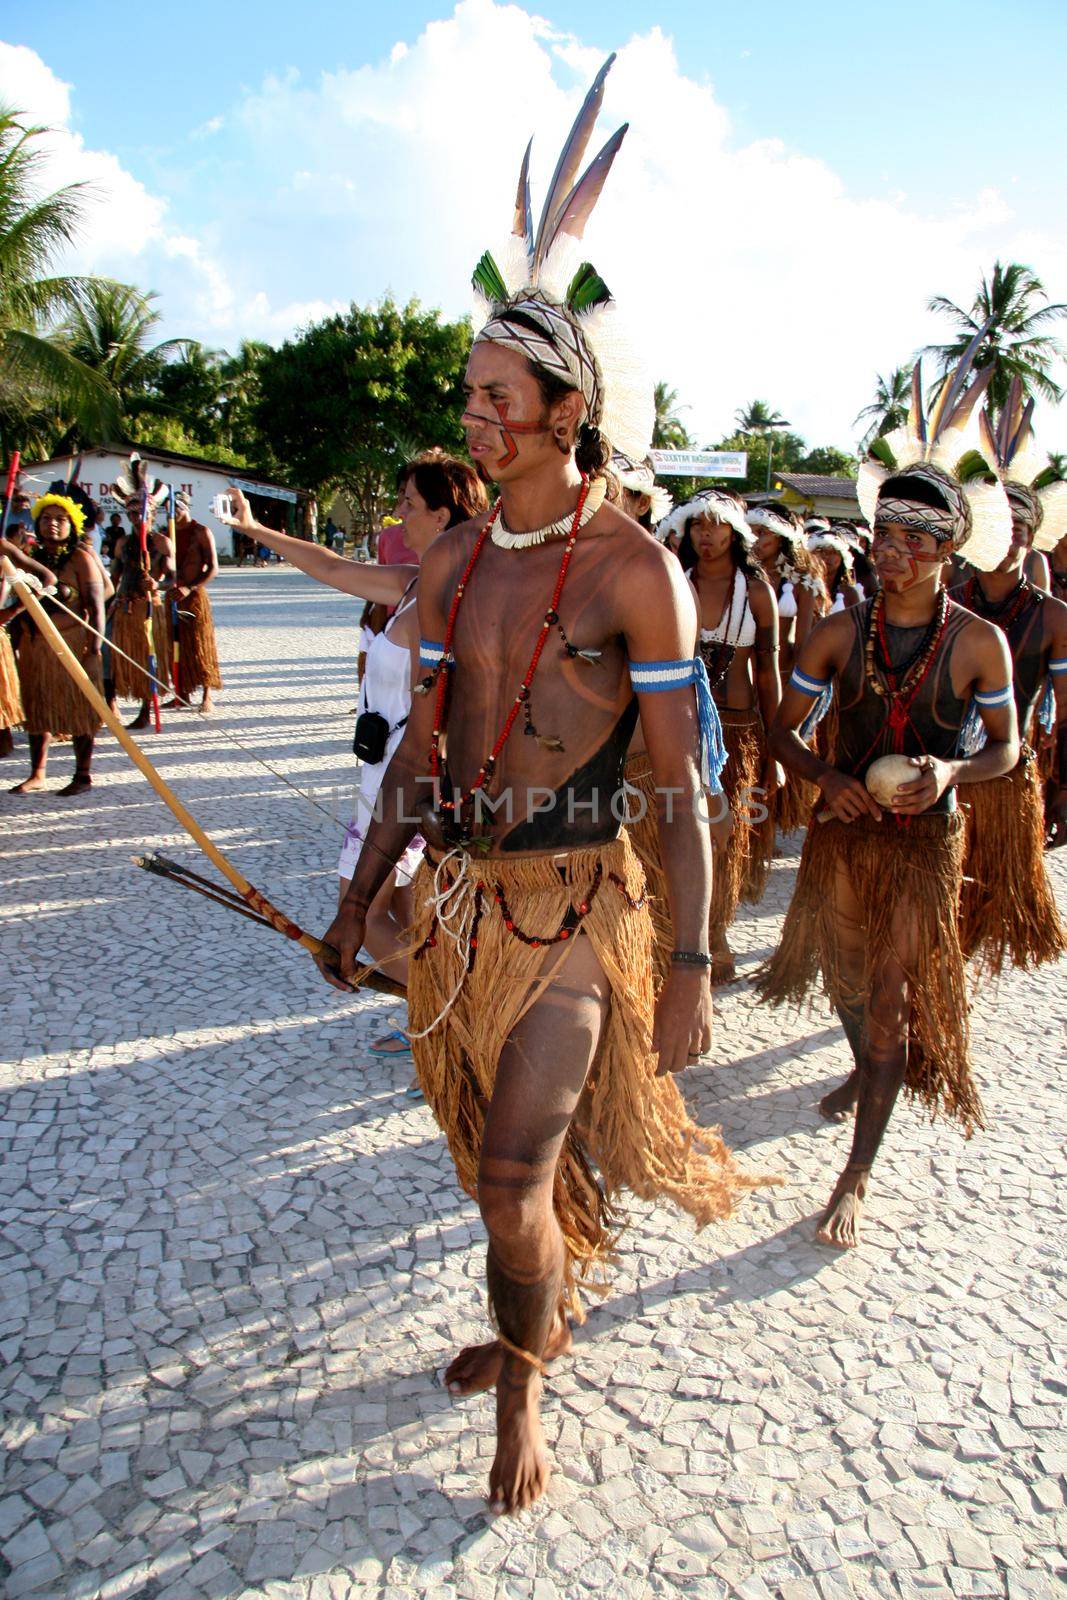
(109, 330)
(1016, 342)
(889, 408)
(758, 417)
(669, 431)
(39, 376)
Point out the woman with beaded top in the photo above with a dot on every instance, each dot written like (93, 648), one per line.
(738, 642)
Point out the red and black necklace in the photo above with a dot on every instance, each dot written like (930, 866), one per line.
(458, 804)
(1004, 612)
(900, 685)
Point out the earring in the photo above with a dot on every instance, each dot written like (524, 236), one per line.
(562, 442)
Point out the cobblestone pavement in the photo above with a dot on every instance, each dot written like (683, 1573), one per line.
(235, 1258)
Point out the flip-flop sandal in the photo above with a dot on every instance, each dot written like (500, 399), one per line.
(378, 1047)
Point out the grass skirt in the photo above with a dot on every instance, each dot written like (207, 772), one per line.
(198, 660)
(128, 634)
(794, 803)
(922, 864)
(11, 715)
(631, 1124)
(741, 869)
(52, 700)
(1008, 912)
(643, 834)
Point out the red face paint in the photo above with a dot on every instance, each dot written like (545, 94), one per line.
(511, 449)
(507, 427)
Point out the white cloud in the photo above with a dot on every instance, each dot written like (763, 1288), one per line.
(750, 269)
(127, 231)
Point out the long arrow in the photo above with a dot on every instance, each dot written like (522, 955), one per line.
(365, 976)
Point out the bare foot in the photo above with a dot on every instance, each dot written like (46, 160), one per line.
(28, 785)
(207, 706)
(521, 1468)
(837, 1105)
(477, 1368)
(140, 720)
(839, 1224)
(77, 785)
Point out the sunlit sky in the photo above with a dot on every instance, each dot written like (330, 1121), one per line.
(795, 185)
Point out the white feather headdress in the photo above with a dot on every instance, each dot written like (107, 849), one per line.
(712, 503)
(949, 440)
(639, 477)
(1021, 466)
(577, 333)
(139, 493)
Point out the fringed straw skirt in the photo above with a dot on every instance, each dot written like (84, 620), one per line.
(741, 869)
(643, 834)
(196, 665)
(794, 803)
(128, 634)
(468, 996)
(1008, 912)
(52, 701)
(11, 715)
(914, 870)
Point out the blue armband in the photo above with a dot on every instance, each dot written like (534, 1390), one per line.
(973, 734)
(1057, 666)
(651, 677)
(993, 697)
(431, 655)
(814, 687)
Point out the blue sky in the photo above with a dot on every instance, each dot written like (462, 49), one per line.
(279, 158)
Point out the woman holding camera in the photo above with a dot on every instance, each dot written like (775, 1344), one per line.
(437, 492)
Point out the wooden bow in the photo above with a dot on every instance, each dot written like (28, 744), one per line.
(366, 977)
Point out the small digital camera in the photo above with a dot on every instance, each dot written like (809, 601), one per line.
(222, 506)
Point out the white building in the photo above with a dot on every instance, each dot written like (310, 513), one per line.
(276, 505)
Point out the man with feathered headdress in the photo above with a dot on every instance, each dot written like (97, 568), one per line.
(874, 912)
(55, 707)
(546, 625)
(137, 621)
(193, 650)
(1008, 910)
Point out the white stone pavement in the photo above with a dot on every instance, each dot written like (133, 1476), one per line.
(234, 1257)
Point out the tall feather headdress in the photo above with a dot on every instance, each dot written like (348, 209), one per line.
(1030, 483)
(568, 322)
(948, 439)
(138, 492)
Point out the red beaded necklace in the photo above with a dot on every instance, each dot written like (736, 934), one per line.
(458, 802)
(900, 688)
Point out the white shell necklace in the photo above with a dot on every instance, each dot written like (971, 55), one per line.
(555, 530)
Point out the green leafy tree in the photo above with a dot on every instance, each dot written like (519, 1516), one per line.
(110, 330)
(669, 432)
(888, 409)
(827, 460)
(1018, 343)
(41, 380)
(787, 448)
(344, 402)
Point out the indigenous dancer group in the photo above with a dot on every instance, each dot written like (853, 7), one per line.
(585, 718)
(139, 623)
